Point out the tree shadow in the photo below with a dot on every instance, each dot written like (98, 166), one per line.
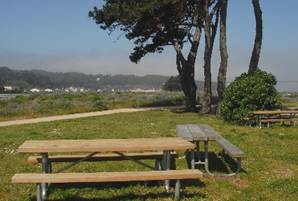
(182, 110)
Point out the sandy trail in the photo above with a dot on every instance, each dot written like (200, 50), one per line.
(77, 115)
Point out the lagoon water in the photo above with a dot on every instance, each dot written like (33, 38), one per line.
(8, 96)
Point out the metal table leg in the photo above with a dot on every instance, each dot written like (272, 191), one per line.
(45, 169)
(198, 150)
(205, 162)
(177, 190)
(192, 159)
(167, 164)
(207, 158)
(158, 165)
(39, 193)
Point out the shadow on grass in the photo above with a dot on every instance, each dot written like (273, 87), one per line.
(130, 195)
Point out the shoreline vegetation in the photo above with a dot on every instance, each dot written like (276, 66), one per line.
(27, 106)
(43, 105)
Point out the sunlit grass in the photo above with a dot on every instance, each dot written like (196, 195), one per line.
(270, 171)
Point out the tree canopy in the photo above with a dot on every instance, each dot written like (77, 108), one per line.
(151, 24)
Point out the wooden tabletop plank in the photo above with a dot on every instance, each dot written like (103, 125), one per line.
(184, 132)
(209, 131)
(196, 132)
(268, 112)
(105, 145)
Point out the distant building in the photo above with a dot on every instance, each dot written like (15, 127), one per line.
(82, 89)
(145, 90)
(8, 88)
(35, 90)
(49, 90)
(71, 89)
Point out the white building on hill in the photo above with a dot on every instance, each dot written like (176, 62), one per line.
(35, 90)
(8, 88)
(48, 90)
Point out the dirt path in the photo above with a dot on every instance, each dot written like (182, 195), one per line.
(76, 116)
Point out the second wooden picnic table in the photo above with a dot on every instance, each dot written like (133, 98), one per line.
(270, 116)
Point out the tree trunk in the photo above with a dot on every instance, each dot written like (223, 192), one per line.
(254, 60)
(210, 33)
(187, 79)
(186, 69)
(222, 72)
(189, 87)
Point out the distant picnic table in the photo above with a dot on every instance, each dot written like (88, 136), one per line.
(275, 116)
(135, 149)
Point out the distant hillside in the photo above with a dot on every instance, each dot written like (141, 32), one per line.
(42, 79)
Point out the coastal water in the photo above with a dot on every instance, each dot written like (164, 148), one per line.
(9, 96)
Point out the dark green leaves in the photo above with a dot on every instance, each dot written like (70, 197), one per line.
(247, 93)
(151, 24)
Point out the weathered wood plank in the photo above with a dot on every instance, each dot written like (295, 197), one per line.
(106, 176)
(276, 120)
(208, 131)
(105, 145)
(231, 149)
(99, 157)
(271, 112)
(196, 132)
(184, 132)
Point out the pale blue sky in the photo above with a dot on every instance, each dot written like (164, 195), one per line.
(57, 35)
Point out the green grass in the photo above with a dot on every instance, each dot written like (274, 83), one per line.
(23, 107)
(270, 169)
(290, 103)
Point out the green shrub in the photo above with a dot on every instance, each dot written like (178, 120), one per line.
(247, 93)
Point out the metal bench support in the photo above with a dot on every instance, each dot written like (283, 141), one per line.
(45, 169)
(205, 162)
(238, 168)
(177, 190)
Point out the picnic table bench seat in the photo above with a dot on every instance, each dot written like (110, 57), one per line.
(230, 148)
(104, 177)
(273, 120)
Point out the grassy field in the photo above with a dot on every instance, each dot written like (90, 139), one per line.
(270, 171)
(40, 105)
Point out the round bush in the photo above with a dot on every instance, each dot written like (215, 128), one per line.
(247, 93)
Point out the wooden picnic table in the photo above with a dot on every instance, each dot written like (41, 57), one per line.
(95, 146)
(197, 133)
(271, 116)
